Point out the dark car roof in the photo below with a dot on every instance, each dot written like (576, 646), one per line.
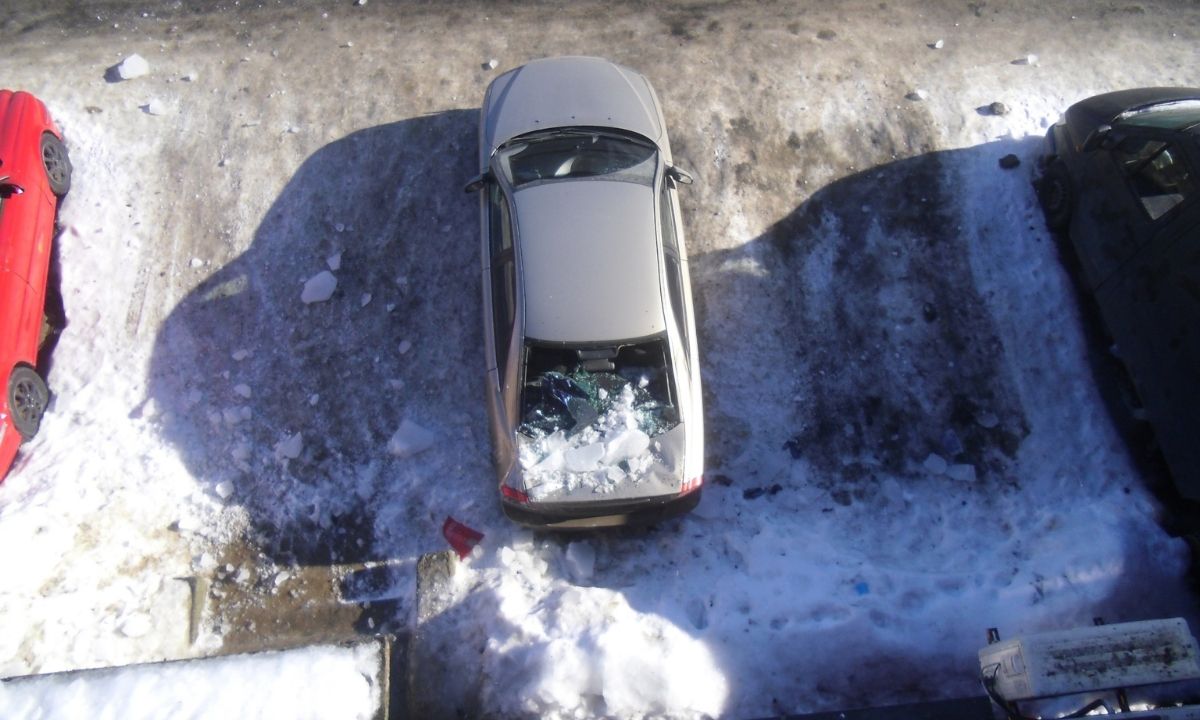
(1103, 109)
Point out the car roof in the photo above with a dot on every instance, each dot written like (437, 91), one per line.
(589, 261)
(569, 92)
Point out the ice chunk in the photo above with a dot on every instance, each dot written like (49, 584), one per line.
(938, 44)
(156, 107)
(241, 355)
(410, 439)
(314, 399)
(935, 464)
(405, 346)
(334, 261)
(319, 287)
(490, 64)
(366, 298)
(917, 94)
(583, 459)
(290, 447)
(134, 66)
(629, 444)
(197, 262)
(240, 452)
(190, 76)
(224, 489)
(243, 390)
(1027, 60)
(962, 473)
(581, 560)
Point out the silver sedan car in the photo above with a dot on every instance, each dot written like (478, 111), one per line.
(592, 372)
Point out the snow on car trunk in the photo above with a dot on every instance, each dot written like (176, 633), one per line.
(613, 432)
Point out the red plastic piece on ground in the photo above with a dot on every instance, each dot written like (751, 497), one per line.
(462, 538)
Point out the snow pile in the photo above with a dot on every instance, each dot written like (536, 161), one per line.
(599, 453)
(318, 682)
(558, 650)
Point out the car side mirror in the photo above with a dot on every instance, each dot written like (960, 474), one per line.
(679, 176)
(476, 183)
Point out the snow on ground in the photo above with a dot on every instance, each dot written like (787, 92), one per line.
(906, 441)
(314, 682)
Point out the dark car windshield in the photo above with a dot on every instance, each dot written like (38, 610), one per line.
(1169, 116)
(573, 154)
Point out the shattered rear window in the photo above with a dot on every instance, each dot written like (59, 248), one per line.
(594, 417)
(570, 389)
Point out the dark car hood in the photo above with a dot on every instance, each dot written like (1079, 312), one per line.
(1085, 116)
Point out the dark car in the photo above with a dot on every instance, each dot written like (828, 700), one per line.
(1120, 181)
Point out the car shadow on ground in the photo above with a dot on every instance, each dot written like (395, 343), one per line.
(860, 387)
(1120, 397)
(242, 365)
(878, 348)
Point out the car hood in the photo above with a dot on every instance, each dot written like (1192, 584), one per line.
(569, 92)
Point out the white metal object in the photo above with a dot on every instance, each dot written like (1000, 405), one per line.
(1086, 659)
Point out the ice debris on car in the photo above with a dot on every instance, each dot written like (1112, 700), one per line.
(589, 429)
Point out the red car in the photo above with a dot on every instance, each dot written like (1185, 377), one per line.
(34, 175)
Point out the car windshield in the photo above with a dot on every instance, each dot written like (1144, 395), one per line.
(572, 154)
(1169, 116)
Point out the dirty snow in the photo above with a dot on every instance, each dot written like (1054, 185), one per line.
(866, 278)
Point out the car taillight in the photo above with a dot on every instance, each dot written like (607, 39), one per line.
(513, 494)
(690, 485)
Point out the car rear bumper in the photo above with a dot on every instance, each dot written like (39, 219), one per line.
(583, 516)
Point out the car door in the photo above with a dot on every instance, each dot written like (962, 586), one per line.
(500, 309)
(1121, 203)
(22, 251)
(13, 293)
(1152, 306)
